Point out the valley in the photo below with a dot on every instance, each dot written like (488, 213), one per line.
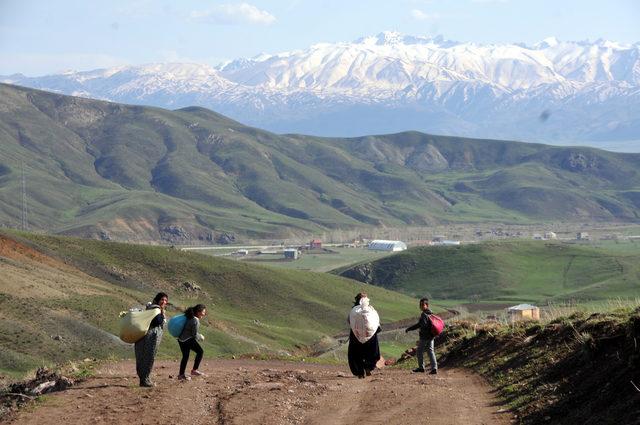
(259, 316)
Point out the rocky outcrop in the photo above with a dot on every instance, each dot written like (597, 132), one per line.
(385, 272)
(428, 158)
(362, 273)
(191, 287)
(225, 238)
(173, 233)
(579, 162)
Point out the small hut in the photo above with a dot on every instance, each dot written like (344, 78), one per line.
(291, 254)
(315, 244)
(523, 312)
(583, 236)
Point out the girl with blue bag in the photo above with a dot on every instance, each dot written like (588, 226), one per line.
(189, 338)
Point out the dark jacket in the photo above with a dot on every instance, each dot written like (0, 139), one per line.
(157, 321)
(424, 324)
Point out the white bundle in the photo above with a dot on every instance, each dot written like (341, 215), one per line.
(364, 320)
(134, 324)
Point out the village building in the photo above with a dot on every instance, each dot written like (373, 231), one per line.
(383, 245)
(291, 253)
(441, 241)
(550, 235)
(583, 236)
(451, 243)
(523, 312)
(315, 244)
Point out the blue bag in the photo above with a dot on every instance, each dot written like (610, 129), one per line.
(176, 324)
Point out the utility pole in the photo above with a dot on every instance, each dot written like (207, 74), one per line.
(25, 217)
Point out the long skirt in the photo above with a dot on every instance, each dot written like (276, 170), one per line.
(363, 357)
(146, 350)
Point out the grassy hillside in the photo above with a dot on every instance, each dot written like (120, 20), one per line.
(532, 271)
(60, 298)
(105, 170)
(576, 369)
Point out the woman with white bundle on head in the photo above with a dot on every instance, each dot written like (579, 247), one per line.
(364, 351)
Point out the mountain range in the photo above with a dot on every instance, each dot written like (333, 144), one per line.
(106, 170)
(553, 91)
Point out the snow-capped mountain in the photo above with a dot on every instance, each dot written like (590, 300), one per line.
(551, 91)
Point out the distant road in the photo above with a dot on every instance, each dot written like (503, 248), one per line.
(217, 247)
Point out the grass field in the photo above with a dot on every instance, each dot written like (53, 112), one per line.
(512, 272)
(74, 289)
(325, 261)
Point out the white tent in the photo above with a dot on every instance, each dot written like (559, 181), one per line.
(381, 245)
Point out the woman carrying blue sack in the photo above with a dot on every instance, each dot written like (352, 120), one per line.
(188, 341)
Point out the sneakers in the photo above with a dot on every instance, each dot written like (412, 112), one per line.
(433, 372)
(184, 378)
(147, 384)
(196, 373)
(418, 370)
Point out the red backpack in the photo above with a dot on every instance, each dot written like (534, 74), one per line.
(437, 324)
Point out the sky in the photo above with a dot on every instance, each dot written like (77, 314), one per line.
(45, 37)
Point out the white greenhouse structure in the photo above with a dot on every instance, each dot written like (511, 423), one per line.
(381, 245)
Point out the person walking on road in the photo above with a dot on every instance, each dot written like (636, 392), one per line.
(426, 339)
(189, 341)
(364, 350)
(147, 347)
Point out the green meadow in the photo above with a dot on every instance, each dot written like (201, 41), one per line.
(511, 272)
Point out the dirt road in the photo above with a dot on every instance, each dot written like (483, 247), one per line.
(270, 392)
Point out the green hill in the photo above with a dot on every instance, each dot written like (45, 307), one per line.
(104, 170)
(532, 271)
(60, 298)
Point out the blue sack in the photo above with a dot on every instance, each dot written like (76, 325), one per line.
(176, 324)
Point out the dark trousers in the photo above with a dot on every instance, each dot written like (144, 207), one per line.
(186, 347)
(363, 356)
(146, 350)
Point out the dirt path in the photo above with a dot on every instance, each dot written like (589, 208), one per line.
(271, 392)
